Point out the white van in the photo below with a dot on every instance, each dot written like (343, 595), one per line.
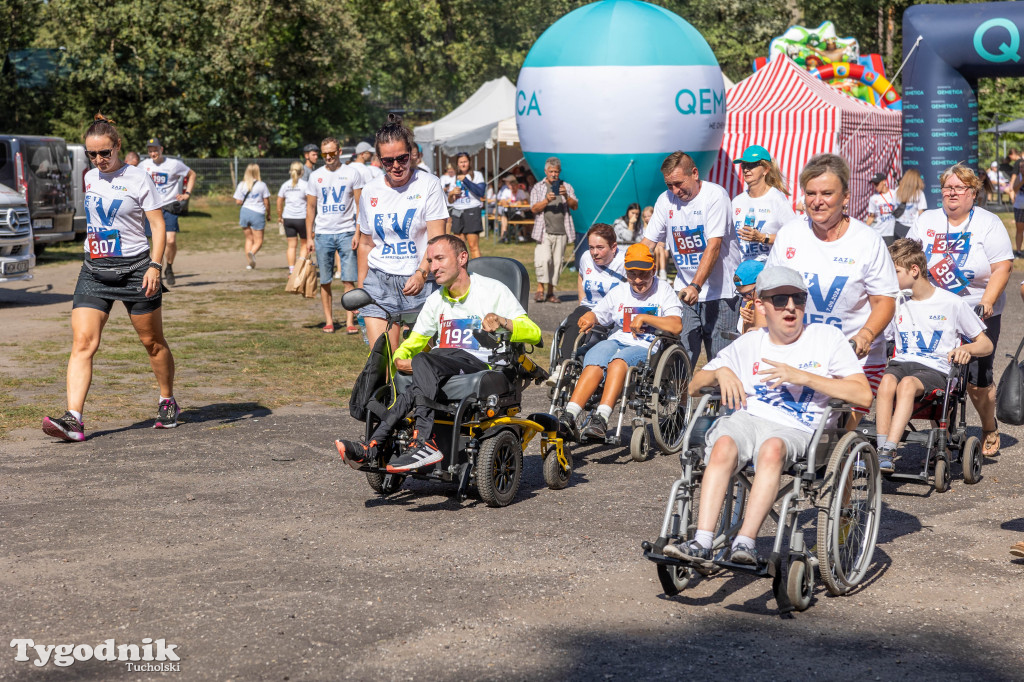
(17, 255)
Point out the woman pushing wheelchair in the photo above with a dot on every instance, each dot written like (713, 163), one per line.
(648, 304)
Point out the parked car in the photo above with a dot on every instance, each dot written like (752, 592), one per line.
(39, 169)
(79, 167)
(17, 255)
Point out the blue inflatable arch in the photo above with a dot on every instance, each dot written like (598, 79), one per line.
(956, 45)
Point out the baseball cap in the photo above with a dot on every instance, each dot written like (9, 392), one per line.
(747, 272)
(310, 148)
(639, 257)
(364, 147)
(877, 178)
(780, 276)
(753, 154)
(994, 164)
(154, 142)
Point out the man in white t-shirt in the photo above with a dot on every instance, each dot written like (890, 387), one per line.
(693, 219)
(779, 380)
(174, 182)
(310, 154)
(463, 304)
(880, 207)
(332, 195)
(927, 329)
(417, 158)
(364, 151)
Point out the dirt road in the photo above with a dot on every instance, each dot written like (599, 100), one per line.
(241, 538)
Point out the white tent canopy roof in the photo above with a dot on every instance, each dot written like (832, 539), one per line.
(468, 127)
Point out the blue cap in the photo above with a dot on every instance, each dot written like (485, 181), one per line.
(747, 272)
(753, 154)
(153, 142)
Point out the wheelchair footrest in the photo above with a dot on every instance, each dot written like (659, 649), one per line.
(910, 478)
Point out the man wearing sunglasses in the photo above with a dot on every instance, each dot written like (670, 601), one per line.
(778, 380)
(174, 182)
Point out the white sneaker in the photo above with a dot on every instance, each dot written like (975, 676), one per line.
(555, 376)
(337, 275)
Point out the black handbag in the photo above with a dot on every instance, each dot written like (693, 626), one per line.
(375, 374)
(1010, 392)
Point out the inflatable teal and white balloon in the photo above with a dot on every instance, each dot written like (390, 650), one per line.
(613, 82)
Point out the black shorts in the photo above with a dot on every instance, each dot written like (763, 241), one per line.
(932, 379)
(295, 227)
(92, 292)
(979, 372)
(468, 222)
(1018, 215)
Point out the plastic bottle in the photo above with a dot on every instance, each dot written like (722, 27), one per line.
(751, 219)
(362, 328)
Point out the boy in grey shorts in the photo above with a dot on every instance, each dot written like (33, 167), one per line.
(778, 379)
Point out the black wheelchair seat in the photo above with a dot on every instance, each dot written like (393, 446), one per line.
(481, 384)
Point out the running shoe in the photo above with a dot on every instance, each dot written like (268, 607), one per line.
(252, 260)
(552, 379)
(66, 428)
(567, 424)
(687, 550)
(1017, 550)
(167, 418)
(745, 555)
(595, 429)
(417, 455)
(169, 275)
(354, 453)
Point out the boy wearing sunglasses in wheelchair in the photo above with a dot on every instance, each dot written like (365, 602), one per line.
(778, 380)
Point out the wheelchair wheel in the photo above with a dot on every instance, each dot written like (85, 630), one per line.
(800, 583)
(555, 476)
(671, 409)
(971, 460)
(639, 449)
(675, 579)
(499, 467)
(849, 507)
(942, 475)
(383, 483)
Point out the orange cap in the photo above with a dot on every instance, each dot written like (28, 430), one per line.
(639, 257)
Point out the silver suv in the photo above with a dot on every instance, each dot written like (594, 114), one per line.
(17, 257)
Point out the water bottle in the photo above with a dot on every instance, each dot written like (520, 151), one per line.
(362, 328)
(749, 221)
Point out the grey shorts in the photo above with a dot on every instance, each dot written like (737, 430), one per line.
(386, 291)
(750, 433)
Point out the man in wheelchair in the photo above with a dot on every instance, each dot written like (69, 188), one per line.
(928, 328)
(778, 380)
(464, 303)
(648, 302)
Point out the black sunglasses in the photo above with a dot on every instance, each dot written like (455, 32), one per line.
(388, 161)
(780, 300)
(749, 165)
(103, 153)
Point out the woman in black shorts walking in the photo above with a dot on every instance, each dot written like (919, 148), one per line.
(119, 266)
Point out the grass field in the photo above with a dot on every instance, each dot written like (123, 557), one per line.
(241, 341)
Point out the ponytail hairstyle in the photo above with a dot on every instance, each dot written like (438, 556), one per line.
(393, 131)
(295, 171)
(103, 127)
(773, 178)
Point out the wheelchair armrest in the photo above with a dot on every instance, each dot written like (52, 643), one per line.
(836, 403)
(665, 335)
(711, 391)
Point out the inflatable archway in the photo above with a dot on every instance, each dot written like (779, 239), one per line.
(880, 84)
(957, 45)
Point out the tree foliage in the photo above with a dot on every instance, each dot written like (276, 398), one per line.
(213, 77)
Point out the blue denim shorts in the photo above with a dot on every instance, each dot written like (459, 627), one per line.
(253, 219)
(170, 223)
(603, 352)
(329, 244)
(386, 291)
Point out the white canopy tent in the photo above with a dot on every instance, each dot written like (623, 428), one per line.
(468, 127)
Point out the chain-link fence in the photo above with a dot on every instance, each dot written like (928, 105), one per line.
(221, 176)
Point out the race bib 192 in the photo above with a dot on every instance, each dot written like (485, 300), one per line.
(459, 334)
(104, 243)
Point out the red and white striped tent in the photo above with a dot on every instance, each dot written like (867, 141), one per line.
(795, 116)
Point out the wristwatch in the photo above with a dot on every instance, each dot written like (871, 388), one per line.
(156, 265)
(696, 286)
(423, 272)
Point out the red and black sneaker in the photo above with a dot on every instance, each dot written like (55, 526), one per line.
(418, 455)
(354, 454)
